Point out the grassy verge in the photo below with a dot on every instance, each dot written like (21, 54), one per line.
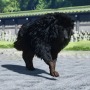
(6, 44)
(79, 46)
(76, 46)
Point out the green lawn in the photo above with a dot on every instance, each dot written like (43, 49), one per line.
(76, 46)
(6, 44)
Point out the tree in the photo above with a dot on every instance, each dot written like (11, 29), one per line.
(16, 5)
(56, 3)
(64, 3)
(38, 4)
(42, 4)
(3, 4)
(32, 4)
(12, 5)
(79, 2)
(23, 4)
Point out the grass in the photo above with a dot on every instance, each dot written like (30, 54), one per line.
(76, 46)
(6, 44)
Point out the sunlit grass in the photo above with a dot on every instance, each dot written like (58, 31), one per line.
(81, 45)
(6, 44)
(76, 46)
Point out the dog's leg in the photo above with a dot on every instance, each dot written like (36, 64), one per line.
(52, 65)
(28, 58)
(44, 52)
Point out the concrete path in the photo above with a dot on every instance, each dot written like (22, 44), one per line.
(74, 69)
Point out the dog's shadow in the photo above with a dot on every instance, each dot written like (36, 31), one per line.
(23, 70)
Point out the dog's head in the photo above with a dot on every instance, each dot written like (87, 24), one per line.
(67, 24)
(62, 23)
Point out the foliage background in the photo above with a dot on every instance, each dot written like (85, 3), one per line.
(23, 5)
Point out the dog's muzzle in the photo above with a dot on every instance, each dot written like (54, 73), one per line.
(68, 35)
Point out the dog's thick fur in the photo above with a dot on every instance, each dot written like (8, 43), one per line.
(45, 38)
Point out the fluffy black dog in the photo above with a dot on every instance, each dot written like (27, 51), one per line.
(45, 38)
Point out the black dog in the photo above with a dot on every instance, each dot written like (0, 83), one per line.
(45, 38)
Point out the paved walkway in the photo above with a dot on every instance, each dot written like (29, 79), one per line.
(74, 69)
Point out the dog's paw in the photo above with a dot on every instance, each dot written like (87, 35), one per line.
(54, 74)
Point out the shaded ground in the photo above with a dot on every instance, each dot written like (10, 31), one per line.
(74, 69)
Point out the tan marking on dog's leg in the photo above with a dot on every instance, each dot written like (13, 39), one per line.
(52, 65)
